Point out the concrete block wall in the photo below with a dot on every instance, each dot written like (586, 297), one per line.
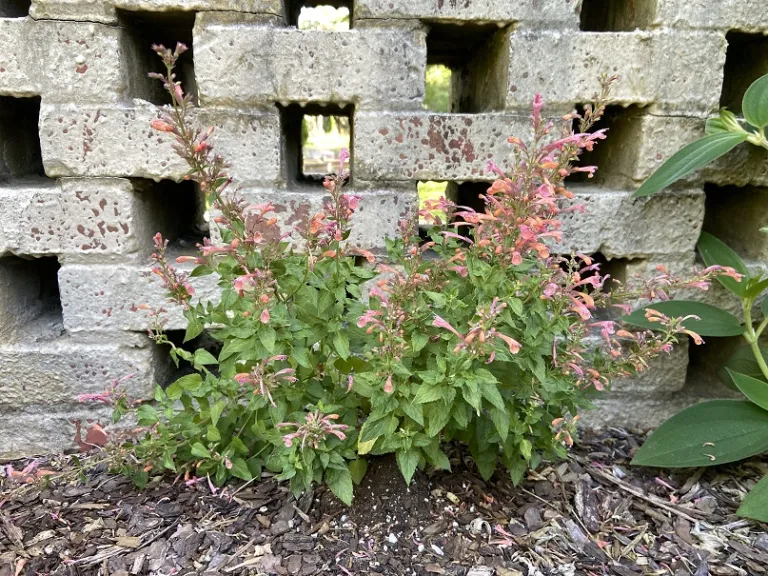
(85, 182)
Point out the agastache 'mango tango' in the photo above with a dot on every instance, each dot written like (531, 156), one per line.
(322, 352)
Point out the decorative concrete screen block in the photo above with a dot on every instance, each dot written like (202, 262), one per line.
(674, 71)
(82, 141)
(85, 182)
(74, 62)
(550, 13)
(107, 10)
(422, 146)
(242, 64)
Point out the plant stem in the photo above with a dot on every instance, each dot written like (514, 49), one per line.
(752, 337)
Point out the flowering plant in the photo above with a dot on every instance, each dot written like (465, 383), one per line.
(476, 335)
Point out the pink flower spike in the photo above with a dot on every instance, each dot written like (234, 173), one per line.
(264, 318)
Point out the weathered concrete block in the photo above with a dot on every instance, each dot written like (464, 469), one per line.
(674, 71)
(62, 61)
(552, 13)
(53, 370)
(744, 15)
(665, 374)
(105, 10)
(425, 146)
(247, 65)
(376, 218)
(107, 297)
(45, 429)
(100, 218)
(104, 141)
(735, 215)
(614, 224)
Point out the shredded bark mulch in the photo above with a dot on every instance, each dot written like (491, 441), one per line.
(591, 515)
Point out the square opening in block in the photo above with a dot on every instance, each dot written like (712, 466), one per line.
(29, 291)
(143, 29)
(178, 210)
(313, 137)
(616, 15)
(467, 67)
(15, 8)
(20, 153)
(320, 15)
(735, 216)
(614, 156)
(745, 61)
(171, 371)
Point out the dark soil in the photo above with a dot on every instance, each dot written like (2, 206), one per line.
(591, 515)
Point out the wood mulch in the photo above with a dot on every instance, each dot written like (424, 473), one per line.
(591, 515)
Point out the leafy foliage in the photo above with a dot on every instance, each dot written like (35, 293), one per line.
(476, 336)
(724, 133)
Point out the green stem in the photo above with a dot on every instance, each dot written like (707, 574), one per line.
(752, 337)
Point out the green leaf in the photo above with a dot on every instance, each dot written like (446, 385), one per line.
(755, 504)
(491, 393)
(200, 451)
(212, 434)
(204, 358)
(764, 306)
(357, 470)
(268, 337)
(190, 382)
(754, 389)
(146, 415)
(413, 411)
(194, 329)
(714, 252)
(419, 340)
(407, 461)
(216, 411)
(754, 105)
(707, 434)
(427, 393)
(340, 483)
(742, 361)
(341, 344)
(526, 449)
(714, 321)
(501, 421)
(690, 158)
(372, 430)
(240, 469)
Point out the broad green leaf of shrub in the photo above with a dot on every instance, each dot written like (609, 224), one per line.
(754, 106)
(357, 470)
(707, 434)
(755, 505)
(755, 390)
(715, 252)
(689, 159)
(742, 361)
(407, 461)
(340, 482)
(713, 321)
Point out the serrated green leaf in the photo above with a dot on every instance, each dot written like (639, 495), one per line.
(146, 415)
(755, 390)
(754, 105)
(240, 469)
(357, 470)
(418, 341)
(340, 483)
(216, 411)
(204, 358)
(427, 393)
(212, 433)
(714, 252)
(501, 421)
(713, 321)
(437, 415)
(341, 345)
(707, 434)
(689, 159)
(407, 461)
(268, 337)
(194, 329)
(526, 448)
(413, 411)
(199, 450)
(491, 393)
(755, 505)
(190, 382)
